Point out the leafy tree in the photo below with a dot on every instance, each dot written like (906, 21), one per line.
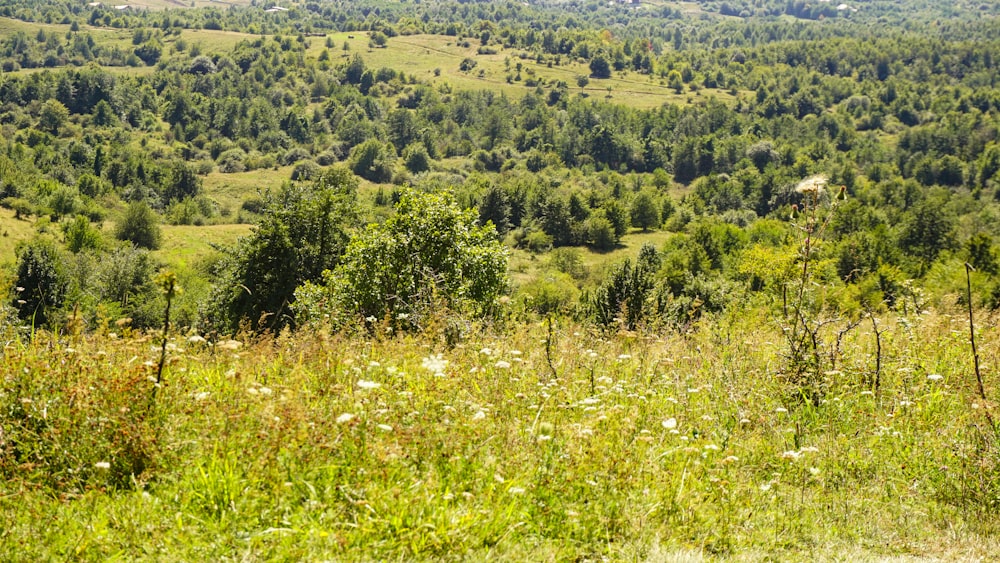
(619, 217)
(81, 235)
(644, 212)
(52, 116)
(372, 160)
(202, 65)
(928, 231)
(124, 274)
(622, 297)
(599, 67)
(41, 281)
(495, 208)
(140, 226)
(379, 39)
(182, 182)
(303, 231)
(416, 159)
(305, 170)
(429, 252)
(600, 231)
(982, 255)
(355, 70)
(149, 53)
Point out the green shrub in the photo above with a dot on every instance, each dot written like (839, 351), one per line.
(140, 226)
(430, 253)
(303, 231)
(81, 235)
(41, 282)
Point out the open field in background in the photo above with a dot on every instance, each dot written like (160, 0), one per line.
(187, 245)
(211, 41)
(525, 266)
(230, 190)
(678, 447)
(421, 55)
(177, 4)
(12, 232)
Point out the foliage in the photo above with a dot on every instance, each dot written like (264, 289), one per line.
(644, 212)
(373, 161)
(139, 226)
(302, 232)
(430, 253)
(81, 235)
(41, 282)
(622, 299)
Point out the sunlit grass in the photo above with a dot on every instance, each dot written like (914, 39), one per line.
(627, 447)
(13, 232)
(185, 245)
(435, 59)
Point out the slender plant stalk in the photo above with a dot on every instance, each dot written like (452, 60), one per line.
(169, 284)
(972, 340)
(878, 353)
(548, 349)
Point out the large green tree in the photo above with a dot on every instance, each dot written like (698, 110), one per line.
(303, 232)
(430, 253)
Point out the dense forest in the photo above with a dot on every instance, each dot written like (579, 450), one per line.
(904, 117)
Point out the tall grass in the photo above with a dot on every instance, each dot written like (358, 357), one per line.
(319, 446)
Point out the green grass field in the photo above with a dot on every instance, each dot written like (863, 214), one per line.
(187, 245)
(12, 232)
(422, 55)
(680, 447)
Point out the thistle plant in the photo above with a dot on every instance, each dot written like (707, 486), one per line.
(803, 320)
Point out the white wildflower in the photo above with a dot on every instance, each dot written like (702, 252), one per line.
(368, 384)
(385, 427)
(102, 465)
(435, 364)
(346, 417)
(479, 415)
(670, 423)
(501, 364)
(935, 377)
(812, 185)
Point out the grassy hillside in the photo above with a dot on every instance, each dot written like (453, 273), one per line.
(436, 59)
(682, 447)
(12, 232)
